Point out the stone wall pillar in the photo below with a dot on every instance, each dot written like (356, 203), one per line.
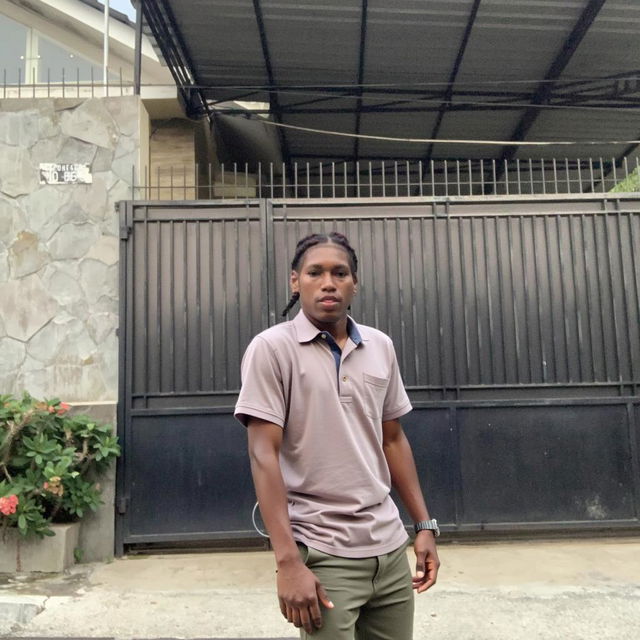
(59, 254)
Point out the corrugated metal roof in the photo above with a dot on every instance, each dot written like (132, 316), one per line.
(455, 69)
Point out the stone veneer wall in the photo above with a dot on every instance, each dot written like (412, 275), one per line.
(59, 252)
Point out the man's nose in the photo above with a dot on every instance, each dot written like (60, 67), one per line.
(327, 282)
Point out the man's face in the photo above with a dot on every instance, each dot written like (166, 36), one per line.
(325, 283)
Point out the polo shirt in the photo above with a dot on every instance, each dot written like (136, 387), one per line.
(331, 409)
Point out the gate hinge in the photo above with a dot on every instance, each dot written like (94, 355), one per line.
(125, 230)
(123, 503)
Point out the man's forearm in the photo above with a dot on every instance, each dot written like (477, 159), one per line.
(272, 497)
(404, 476)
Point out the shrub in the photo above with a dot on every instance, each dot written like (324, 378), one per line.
(50, 462)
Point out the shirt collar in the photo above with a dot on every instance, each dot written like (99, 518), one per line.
(306, 331)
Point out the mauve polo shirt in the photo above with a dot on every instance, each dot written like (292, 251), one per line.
(337, 478)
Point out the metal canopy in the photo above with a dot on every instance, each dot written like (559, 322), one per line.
(503, 70)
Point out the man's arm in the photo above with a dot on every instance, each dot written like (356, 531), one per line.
(404, 478)
(299, 591)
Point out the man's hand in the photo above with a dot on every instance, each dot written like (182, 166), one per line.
(300, 595)
(427, 562)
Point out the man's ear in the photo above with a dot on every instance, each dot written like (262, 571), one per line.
(293, 282)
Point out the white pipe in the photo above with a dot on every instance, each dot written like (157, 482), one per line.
(105, 63)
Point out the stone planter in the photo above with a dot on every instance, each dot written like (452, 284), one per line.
(51, 554)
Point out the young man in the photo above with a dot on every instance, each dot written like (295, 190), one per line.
(321, 397)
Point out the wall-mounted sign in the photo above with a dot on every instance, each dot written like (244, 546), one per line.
(55, 173)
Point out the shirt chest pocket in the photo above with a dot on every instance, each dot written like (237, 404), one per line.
(375, 392)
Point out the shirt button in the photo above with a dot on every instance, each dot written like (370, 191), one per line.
(323, 336)
(344, 378)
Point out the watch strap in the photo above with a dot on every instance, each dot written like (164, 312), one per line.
(427, 525)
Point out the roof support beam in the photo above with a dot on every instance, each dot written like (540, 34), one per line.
(446, 103)
(361, 57)
(273, 95)
(545, 89)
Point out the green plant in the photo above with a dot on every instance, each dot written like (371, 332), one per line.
(50, 462)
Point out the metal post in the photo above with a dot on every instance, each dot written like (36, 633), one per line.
(137, 63)
(105, 59)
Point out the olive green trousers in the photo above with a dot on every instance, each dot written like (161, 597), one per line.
(372, 597)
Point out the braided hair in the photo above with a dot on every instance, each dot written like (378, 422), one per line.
(333, 237)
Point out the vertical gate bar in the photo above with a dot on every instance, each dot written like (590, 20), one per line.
(295, 180)
(264, 265)
(531, 185)
(403, 325)
(358, 178)
(458, 486)
(585, 264)
(171, 182)
(452, 314)
(210, 177)
(446, 179)
(547, 249)
(385, 249)
(363, 299)
(536, 271)
(563, 295)
(438, 301)
(238, 284)
(566, 170)
(578, 315)
(172, 307)
(223, 176)
(333, 179)
(224, 292)
(384, 181)
(376, 316)
(212, 377)
(159, 303)
(636, 279)
(308, 182)
(320, 179)
(501, 299)
(433, 179)
(626, 167)
(125, 363)
(346, 179)
(495, 181)
(593, 184)
(414, 309)
(395, 174)
(458, 179)
(408, 170)
(284, 180)
(246, 179)
(260, 194)
(370, 178)
(145, 306)
(270, 259)
(514, 302)
(506, 177)
(420, 178)
(580, 190)
(518, 182)
(487, 275)
(470, 170)
(525, 281)
(625, 290)
(555, 175)
(615, 174)
(199, 304)
(474, 259)
(185, 314)
(605, 351)
(482, 176)
(602, 177)
(616, 325)
(465, 310)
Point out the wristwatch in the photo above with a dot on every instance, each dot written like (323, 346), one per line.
(427, 525)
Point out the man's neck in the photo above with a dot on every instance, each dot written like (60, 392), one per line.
(338, 329)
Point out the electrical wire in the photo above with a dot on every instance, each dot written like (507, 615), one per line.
(501, 143)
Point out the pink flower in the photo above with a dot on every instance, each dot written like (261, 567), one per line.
(8, 505)
(64, 407)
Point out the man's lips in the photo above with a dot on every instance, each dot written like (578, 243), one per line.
(328, 301)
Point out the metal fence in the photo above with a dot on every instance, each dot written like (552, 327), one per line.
(388, 178)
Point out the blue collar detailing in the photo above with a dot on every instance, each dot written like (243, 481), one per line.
(336, 352)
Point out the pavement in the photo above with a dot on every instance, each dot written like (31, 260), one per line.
(510, 590)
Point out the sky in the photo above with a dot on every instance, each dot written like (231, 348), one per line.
(124, 6)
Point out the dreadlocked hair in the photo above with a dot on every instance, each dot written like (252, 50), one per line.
(333, 237)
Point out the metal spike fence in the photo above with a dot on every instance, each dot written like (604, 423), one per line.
(388, 178)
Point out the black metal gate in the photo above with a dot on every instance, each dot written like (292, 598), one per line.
(517, 326)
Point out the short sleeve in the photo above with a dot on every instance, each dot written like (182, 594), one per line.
(262, 393)
(396, 402)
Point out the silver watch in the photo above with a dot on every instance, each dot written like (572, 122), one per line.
(427, 525)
